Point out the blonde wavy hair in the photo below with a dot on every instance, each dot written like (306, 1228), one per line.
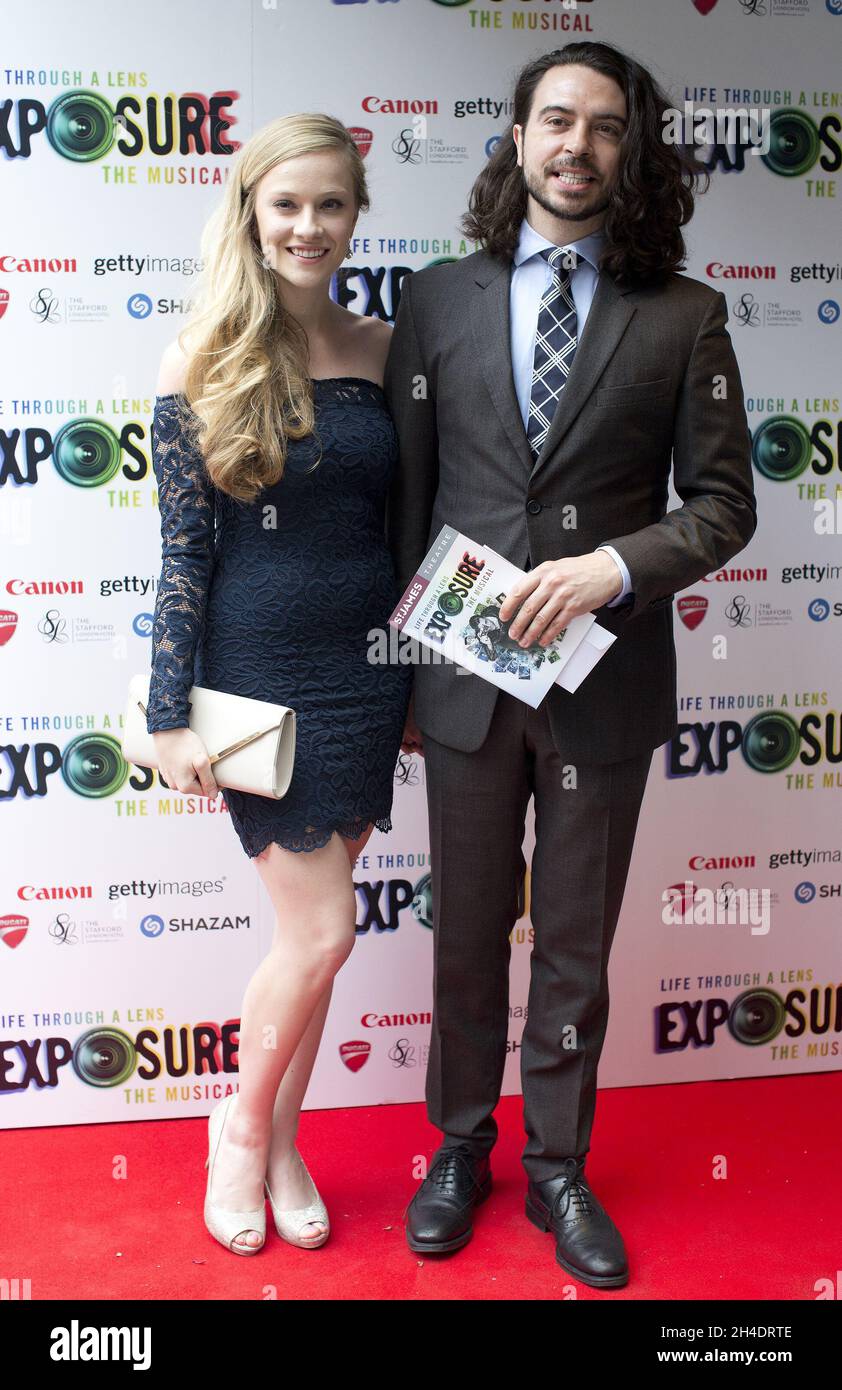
(247, 380)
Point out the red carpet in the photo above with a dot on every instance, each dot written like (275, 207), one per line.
(769, 1230)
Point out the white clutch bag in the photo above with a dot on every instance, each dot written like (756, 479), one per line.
(251, 742)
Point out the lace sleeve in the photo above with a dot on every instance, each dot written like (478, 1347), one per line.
(187, 510)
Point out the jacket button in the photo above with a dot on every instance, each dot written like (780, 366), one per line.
(533, 506)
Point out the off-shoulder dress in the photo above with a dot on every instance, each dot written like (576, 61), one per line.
(276, 599)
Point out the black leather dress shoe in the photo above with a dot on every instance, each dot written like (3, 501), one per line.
(588, 1244)
(439, 1217)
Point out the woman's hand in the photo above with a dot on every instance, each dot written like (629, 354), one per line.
(412, 739)
(184, 762)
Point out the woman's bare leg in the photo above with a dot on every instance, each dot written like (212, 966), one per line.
(312, 893)
(286, 1179)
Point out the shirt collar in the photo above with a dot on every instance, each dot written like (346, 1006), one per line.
(531, 243)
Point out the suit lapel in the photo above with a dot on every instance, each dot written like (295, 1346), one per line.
(491, 323)
(608, 318)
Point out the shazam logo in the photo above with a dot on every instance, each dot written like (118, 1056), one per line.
(818, 610)
(828, 311)
(142, 625)
(805, 892)
(139, 306)
(152, 925)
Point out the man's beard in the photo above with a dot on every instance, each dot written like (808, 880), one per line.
(581, 214)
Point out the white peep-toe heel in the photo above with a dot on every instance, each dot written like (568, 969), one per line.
(224, 1225)
(289, 1224)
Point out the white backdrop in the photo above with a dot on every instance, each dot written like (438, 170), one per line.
(130, 917)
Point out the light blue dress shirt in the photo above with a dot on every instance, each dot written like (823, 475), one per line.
(531, 276)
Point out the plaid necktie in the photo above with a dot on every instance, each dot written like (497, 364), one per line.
(555, 345)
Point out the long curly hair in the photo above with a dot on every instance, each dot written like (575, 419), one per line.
(246, 379)
(653, 193)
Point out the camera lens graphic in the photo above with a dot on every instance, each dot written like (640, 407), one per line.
(93, 765)
(450, 604)
(104, 1057)
(80, 126)
(756, 1017)
(793, 143)
(86, 453)
(781, 448)
(770, 741)
(421, 906)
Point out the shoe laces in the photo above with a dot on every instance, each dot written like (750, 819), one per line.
(445, 1170)
(574, 1190)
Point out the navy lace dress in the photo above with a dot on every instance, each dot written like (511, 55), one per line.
(282, 611)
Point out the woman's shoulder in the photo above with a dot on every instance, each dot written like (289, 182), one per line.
(374, 337)
(172, 370)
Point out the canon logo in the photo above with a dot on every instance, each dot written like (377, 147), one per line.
(41, 265)
(45, 586)
(394, 1020)
(717, 271)
(400, 106)
(28, 892)
(725, 861)
(735, 576)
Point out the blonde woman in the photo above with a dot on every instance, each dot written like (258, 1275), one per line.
(273, 448)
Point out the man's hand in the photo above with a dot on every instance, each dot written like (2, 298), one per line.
(554, 593)
(412, 738)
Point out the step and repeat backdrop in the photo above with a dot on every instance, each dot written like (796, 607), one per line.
(130, 919)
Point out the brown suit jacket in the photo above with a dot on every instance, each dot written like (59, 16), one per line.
(654, 384)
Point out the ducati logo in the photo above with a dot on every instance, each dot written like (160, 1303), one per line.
(13, 928)
(692, 609)
(362, 138)
(8, 623)
(355, 1054)
(681, 895)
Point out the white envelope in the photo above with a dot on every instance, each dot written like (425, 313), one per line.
(593, 645)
